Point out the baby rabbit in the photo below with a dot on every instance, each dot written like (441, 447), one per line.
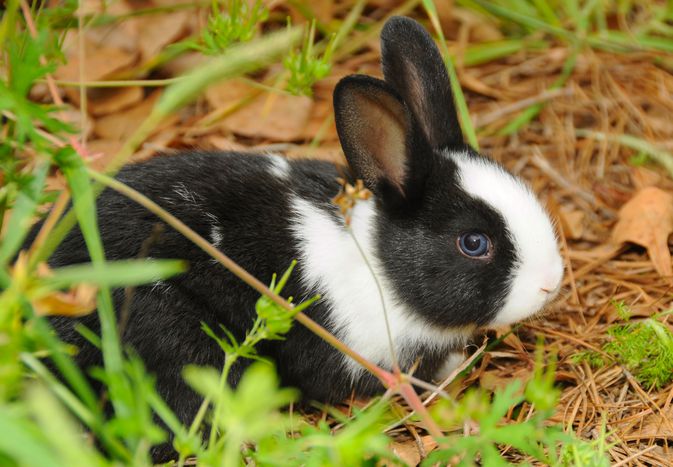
(454, 240)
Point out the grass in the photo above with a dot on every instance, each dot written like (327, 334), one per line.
(41, 418)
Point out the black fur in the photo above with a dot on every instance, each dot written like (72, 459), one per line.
(420, 216)
(413, 66)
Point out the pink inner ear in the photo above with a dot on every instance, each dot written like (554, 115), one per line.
(383, 136)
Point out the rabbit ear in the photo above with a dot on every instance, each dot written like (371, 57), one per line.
(379, 136)
(413, 66)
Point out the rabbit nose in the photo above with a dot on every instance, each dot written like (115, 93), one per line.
(545, 290)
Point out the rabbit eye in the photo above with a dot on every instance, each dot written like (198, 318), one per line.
(474, 245)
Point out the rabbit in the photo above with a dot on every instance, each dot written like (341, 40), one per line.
(454, 241)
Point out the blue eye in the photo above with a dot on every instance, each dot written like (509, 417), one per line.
(474, 244)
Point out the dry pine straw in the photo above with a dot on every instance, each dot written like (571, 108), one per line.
(583, 181)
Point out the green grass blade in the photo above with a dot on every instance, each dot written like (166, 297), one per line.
(485, 52)
(663, 44)
(529, 22)
(115, 273)
(60, 430)
(458, 96)
(531, 112)
(67, 397)
(661, 156)
(85, 209)
(546, 11)
(22, 214)
(22, 441)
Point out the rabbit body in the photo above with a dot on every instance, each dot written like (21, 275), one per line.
(249, 207)
(448, 242)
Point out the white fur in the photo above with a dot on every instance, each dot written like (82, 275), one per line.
(332, 264)
(540, 265)
(280, 167)
(216, 235)
(454, 360)
(160, 285)
(183, 192)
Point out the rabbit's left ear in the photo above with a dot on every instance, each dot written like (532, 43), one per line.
(413, 67)
(380, 139)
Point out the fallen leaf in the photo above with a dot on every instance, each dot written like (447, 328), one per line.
(110, 100)
(277, 117)
(647, 220)
(157, 32)
(493, 380)
(78, 301)
(222, 143)
(120, 125)
(107, 148)
(100, 61)
(655, 425)
(643, 177)
(572, 222)
(408, 451)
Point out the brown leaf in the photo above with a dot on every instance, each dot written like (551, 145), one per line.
(495, 381)
(156, 32)
(647, 220)
(119, 126)
(100, 61)
(655, 425)
(277, 117)
(78, 301)
(572, 222)
(409, 452)
(111, 100)
(643, 177)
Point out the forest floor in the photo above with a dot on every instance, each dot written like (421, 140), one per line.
(601, 121)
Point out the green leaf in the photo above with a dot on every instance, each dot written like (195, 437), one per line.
(22, 214)
(23, 441)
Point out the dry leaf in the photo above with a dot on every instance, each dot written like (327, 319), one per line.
(409, 452)
(156, 32)
(100, 61)
(119, 126)
(111, 100)
(572, 222)
(222, 143)
(647, 220)
(277, 117)
(643, 177)
(493, 380)
(655, 425)
(78, 301)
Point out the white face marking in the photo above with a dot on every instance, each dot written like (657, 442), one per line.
(332, 265)
(537, 276)
(280, 167)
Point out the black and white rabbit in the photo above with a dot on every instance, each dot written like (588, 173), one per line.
(456, 242)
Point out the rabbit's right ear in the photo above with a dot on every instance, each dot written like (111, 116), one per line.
(380, 138)
(414, 68)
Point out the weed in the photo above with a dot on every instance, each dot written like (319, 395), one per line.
(533, 437)
(305, 66)
(238, 24)
(644, 347)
